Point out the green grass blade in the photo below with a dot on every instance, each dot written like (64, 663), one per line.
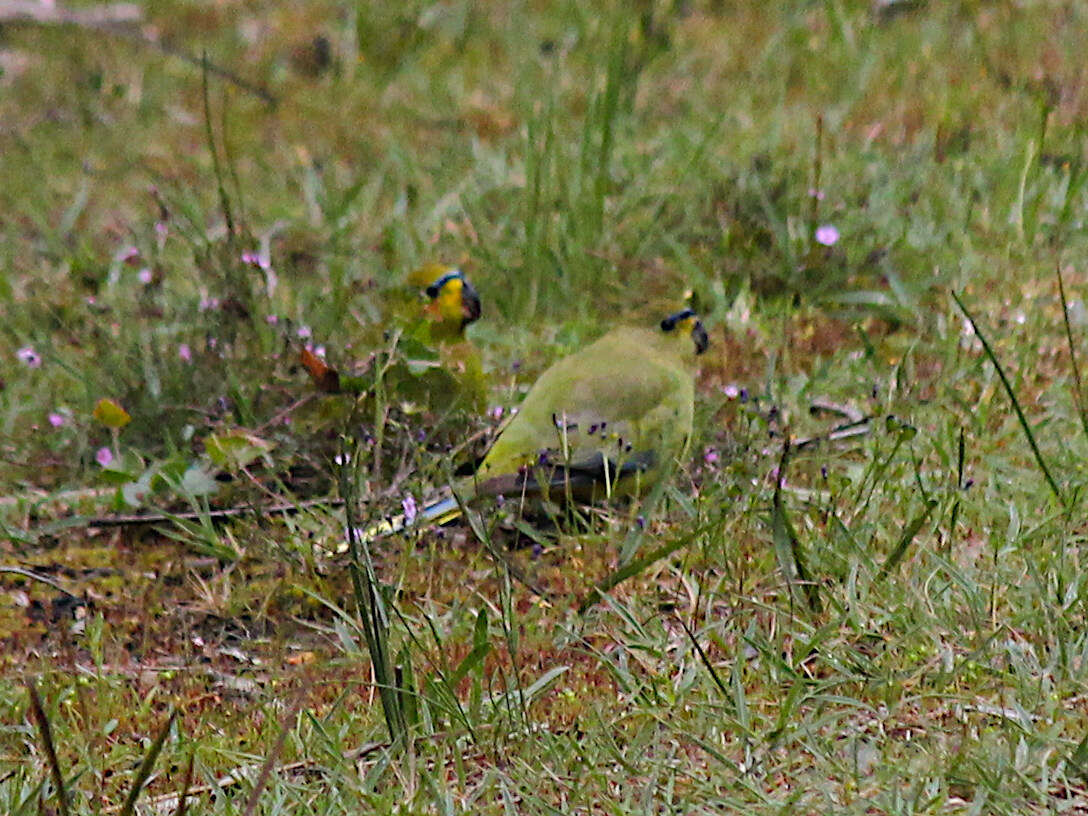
(704, 659)
(904, 541)
(633, 568)
(147, 765)
(788, 545)
(1015, 402)
(186, 786)
(1078, 388)
(46, 734)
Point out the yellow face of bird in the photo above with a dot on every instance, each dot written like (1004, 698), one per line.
(453, 301)
(687, 324)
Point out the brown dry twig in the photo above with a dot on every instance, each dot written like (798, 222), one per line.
(120, 20)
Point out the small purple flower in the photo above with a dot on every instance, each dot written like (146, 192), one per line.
(827, 235)
(319, 351)
(57, 420)
(29, 357)
(104, 456)
(129, 255)
(495, 413)
(819, 195)
(255, 259)
(731, 391)
(185, 353)
(144, 275)
(304, 332)
(272, 320)
(161, 229)
(208, 303)
(640, 522)
(710, 456)
(410, 509)
(744, 395)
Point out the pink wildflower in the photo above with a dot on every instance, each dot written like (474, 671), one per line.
(129, 255)
(410, 509)
(827, 235)
(29, 357)
(256, 259)
(104, 456)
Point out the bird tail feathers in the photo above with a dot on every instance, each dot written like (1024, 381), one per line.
(438, 512)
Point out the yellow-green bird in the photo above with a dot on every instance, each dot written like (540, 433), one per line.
(603, 422)
(439, 327)
(452, 306)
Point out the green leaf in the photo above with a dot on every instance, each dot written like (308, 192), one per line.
(480, 649)
(197, 482)
(111, 414)
(124, 469)
(236, 449)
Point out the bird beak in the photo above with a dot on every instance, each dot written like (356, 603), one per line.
(699, 335)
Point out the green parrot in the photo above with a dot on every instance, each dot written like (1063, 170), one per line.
(603, 422)
(452, 306)
(437, 333)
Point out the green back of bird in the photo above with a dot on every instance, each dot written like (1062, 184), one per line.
(621, 407)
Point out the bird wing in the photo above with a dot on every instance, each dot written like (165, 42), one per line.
(609, 411)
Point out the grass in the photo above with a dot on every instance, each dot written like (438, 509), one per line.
(891, 623)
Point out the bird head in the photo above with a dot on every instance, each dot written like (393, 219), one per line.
(687, 324)
(453, 300)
